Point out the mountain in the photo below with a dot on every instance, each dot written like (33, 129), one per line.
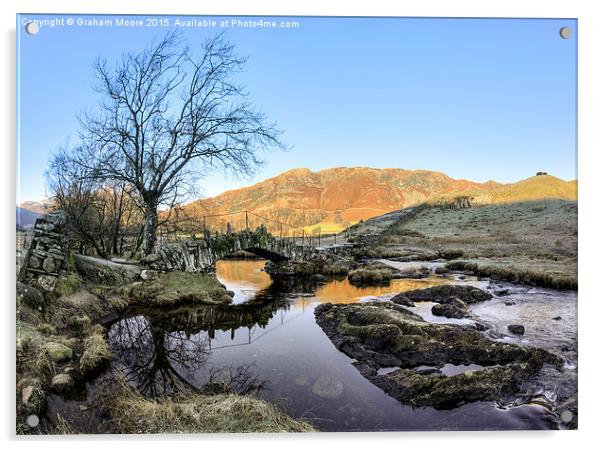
(39, 207)
(333, 199)
(26, 218)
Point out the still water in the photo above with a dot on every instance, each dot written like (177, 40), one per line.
(268, 342)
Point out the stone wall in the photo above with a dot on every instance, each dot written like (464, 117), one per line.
(200, 255)
(45, 258)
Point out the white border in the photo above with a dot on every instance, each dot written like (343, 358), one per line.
(590, 79)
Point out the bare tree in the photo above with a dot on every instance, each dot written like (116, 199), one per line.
(103, 215)
(166, 118)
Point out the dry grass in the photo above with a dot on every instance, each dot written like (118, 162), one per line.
(532, 242)
(77, 308)
(195, 413)
(96, 350)
(525, 273)
(369, 276)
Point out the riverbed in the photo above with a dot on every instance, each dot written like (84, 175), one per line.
(268, 342)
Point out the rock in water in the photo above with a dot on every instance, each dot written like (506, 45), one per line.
(383, 334)
(516, 329)
(403, 300)
(327, 387)
(453, 309)
(444, 294)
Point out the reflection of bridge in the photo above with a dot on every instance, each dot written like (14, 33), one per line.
(195, 246)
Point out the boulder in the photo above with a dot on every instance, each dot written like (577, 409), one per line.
(32, 396)
(46, 282)
(62, 382)
(457, 295)
(453, 309)
(502, 292)
(105, 272)
(444, 293)
(58, 352)
(516, 329)
(30, 295)
(148, 275)
(403, 300)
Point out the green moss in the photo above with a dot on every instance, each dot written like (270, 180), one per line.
(383, 334)
(175, 288)
(58, 352)
(66, 284)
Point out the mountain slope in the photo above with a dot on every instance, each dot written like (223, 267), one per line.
(333, 199)
(25, 218)
(531, 189)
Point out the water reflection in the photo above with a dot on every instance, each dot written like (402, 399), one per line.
(343, 292)
(243, 277)
(167, 351)
(270, 344)
(155, 360)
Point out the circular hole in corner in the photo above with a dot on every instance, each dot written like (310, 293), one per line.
(566, 33)
(32, 28)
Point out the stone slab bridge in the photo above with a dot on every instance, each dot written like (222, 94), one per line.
(200, 254)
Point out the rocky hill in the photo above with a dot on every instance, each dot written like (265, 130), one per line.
(332, 199)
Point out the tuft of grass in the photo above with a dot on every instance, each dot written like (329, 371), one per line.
(71, 309)
(369, 276)
(62, 426)
(177, 287)
(519, 275)
(34, 403)
(96, 350)
(195, 413)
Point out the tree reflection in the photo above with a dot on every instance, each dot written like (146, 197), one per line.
(165, 352)
(156, 361)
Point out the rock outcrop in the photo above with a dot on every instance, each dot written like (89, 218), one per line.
(106, 272)
(383, 335)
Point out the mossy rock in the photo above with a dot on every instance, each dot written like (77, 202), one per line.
(177, 287)
(382, 334)
(58, 352)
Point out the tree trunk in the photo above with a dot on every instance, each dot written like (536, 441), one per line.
(151, 221)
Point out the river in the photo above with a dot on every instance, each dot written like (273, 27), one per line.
(268, 342)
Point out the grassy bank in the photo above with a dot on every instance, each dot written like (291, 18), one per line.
(60, 348)
(195, 413)
(532, 242)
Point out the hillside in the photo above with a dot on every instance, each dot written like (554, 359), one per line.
(332, 199)
(25, 218)
(38, 207)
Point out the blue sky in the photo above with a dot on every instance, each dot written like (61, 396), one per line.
(475, 98)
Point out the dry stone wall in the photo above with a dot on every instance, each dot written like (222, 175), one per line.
(45, 258)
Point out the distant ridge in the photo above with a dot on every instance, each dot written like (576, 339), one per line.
(332, 199)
